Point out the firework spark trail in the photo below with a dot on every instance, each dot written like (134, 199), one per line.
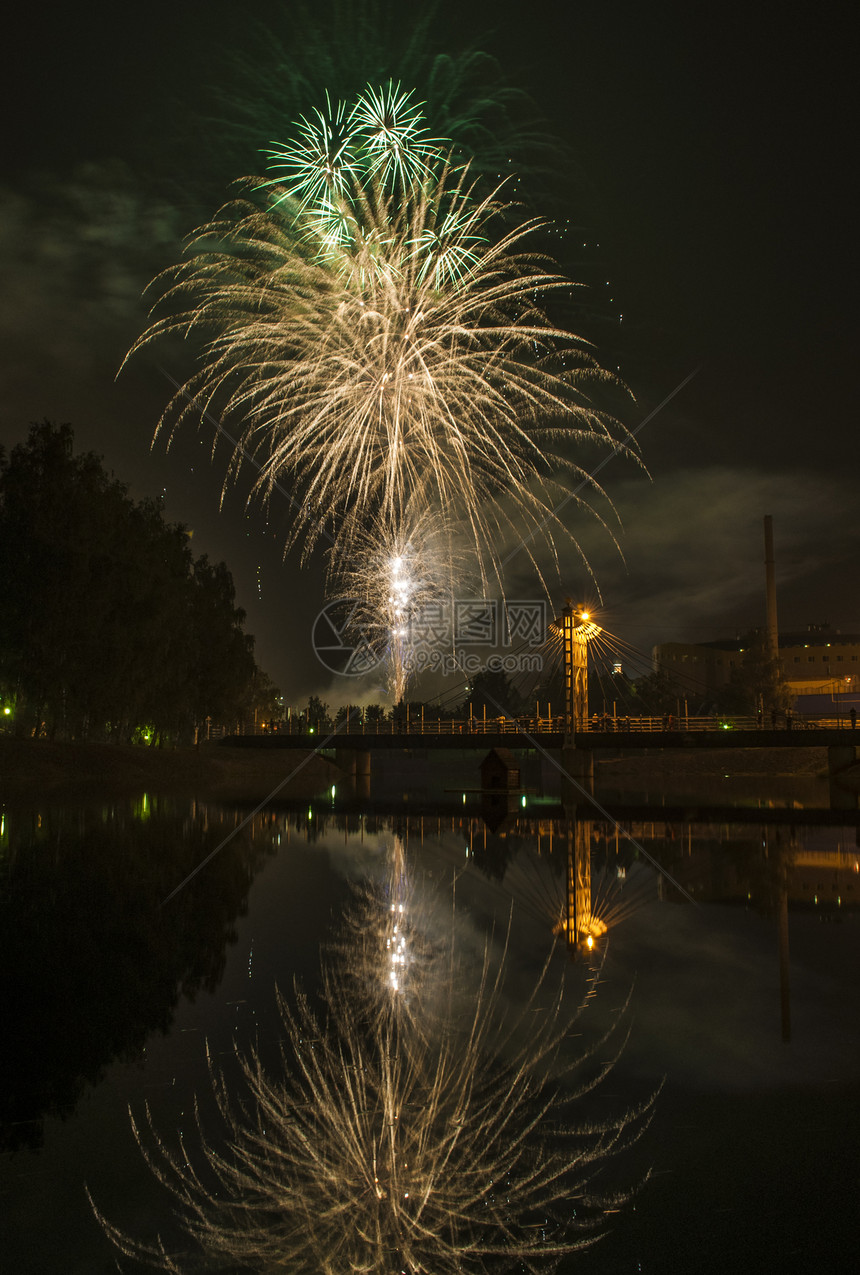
(213, 420)
(378, 334)
(398, 580)
(379, 390)
(597, 468)
(421, 1125)
(407, 360)
(382, 137)
(336, 46)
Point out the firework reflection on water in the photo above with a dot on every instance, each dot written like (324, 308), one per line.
(419, 1118)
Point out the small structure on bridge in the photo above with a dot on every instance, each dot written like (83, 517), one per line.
(500, 769)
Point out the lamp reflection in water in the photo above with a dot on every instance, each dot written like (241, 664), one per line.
(555, 879)
(594, 903)
(421, 1119)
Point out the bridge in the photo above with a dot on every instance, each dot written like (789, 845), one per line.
(576, 735)
(572, 732)
(550, 733)
(354, 747)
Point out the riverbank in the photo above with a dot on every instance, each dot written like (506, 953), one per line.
(785, 775)
(34, 768)
(798, 763)
(773, 764)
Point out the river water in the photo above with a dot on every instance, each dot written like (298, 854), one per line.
(139, 935)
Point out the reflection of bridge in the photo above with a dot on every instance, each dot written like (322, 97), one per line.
(529, 811)
(562, 880)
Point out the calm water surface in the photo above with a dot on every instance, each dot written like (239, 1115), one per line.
(111, 989)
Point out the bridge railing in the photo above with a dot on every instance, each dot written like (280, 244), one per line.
(527, 725)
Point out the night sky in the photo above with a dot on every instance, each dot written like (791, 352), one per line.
(714, 153)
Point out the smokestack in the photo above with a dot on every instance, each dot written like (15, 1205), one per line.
(770, 584)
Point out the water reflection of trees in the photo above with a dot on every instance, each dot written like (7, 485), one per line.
(92, 964)
(421, 1117)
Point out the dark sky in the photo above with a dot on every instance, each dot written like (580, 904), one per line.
(713, 153)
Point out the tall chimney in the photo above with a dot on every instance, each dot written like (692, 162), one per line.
(770, 582)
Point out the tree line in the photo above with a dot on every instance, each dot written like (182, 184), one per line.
(110, 628)
(757, 685)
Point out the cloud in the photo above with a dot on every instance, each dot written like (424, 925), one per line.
(75, 256)
(693, 546)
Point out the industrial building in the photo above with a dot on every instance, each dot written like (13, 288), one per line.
(821, 666)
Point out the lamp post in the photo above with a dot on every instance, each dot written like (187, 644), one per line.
(577, 628)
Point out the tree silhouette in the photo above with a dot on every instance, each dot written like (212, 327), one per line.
(108, 623)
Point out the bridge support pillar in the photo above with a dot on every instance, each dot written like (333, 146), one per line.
(346, 758)
(578, 765)
(841, 757)
(353, 761)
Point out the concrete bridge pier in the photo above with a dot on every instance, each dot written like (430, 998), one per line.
(353, 761)
(841, 757)
(578, 765)
(346, 759)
